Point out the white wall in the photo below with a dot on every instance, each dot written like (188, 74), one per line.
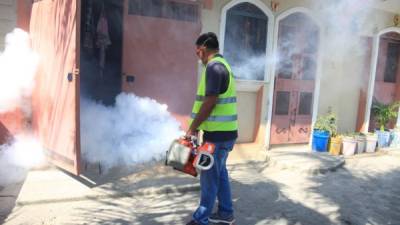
(341, 76)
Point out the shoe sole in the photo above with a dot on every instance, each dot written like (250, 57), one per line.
(221, 221)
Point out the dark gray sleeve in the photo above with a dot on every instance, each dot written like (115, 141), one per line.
(216, 78)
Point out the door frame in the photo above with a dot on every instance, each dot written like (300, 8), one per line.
(373, 66)
(269, 36)
(280, 17)
(253, 85)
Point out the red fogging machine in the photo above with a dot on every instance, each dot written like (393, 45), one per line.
(187, 156)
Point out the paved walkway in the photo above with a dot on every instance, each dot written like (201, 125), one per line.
(46, 188)
(302, 159)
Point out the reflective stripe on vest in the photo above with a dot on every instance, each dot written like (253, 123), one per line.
(218, 118)
(224, 115)
(219, 100)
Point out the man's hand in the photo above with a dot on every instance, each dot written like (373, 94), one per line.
(191, 132)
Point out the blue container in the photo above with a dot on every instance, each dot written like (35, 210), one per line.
(320, 140)
(395, 139)
(383, 138)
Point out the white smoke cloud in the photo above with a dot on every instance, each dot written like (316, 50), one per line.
(251, 68)
(17, 157)
(18, 64)
(343, 21)
(135, 130)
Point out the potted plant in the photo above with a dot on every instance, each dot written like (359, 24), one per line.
(335, 145)
(383, 113)
(324, 127)
(361, 142)
(349, 144)
(395, 138)
(371, 140)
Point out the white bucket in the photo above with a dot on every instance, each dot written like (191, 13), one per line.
(371, 143)
(349, 146)
(361, 142)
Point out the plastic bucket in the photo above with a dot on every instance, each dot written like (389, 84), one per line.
(349, 146)
(383, 138)
(371, 143)
(335, 146)
(320, 140)
(361, 140)
(395, 139)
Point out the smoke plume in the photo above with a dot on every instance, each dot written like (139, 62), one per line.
(252, 68)
(135, 130)
(17, 157)
(18, 64)
(344, 21)
(17, 70)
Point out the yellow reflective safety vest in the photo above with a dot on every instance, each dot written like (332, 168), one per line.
(224, 115)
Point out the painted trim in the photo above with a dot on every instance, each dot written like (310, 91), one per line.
(268, 13)
(374, 62)
(280, 17)
(269, 50)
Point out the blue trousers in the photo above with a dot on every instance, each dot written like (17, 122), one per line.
(214, 184)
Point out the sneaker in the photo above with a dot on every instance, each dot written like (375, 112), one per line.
(192, 222)
(216, 218)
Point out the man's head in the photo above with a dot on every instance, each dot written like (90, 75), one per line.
(206, 45)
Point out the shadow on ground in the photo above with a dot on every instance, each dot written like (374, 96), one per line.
(8, 197)
(256, 202)
(349, 196)
(363, 198)
(262, 201)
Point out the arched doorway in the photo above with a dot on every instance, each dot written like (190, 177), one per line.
(246, 42)
(384, 86)
(246, 30)
(295, 75)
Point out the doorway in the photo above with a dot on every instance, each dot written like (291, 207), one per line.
(158, 55)
(387, 78)
(297, 46)
(246, 43)
(101, 49)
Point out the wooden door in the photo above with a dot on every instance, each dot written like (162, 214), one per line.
(54, 30)
(294, 80)
(159, 59)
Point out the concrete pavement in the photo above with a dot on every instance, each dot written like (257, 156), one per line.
(44, 186)
(52, 186)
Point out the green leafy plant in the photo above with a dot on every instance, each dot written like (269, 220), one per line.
(327, 122)
(359, 134)
(383, 113)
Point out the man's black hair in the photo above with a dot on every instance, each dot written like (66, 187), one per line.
(209, 40)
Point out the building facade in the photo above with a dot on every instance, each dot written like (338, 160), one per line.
(292, 59)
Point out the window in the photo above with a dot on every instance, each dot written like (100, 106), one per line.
(164, 9)
(246, 41)
(282, 103)
(298, 42)
(392, 62)
(309, 68)
(285, 46)
(305, 103)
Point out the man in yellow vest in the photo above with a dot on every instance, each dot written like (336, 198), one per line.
(214, 112)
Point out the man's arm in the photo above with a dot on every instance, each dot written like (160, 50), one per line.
(216, 74)
(204, 112)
